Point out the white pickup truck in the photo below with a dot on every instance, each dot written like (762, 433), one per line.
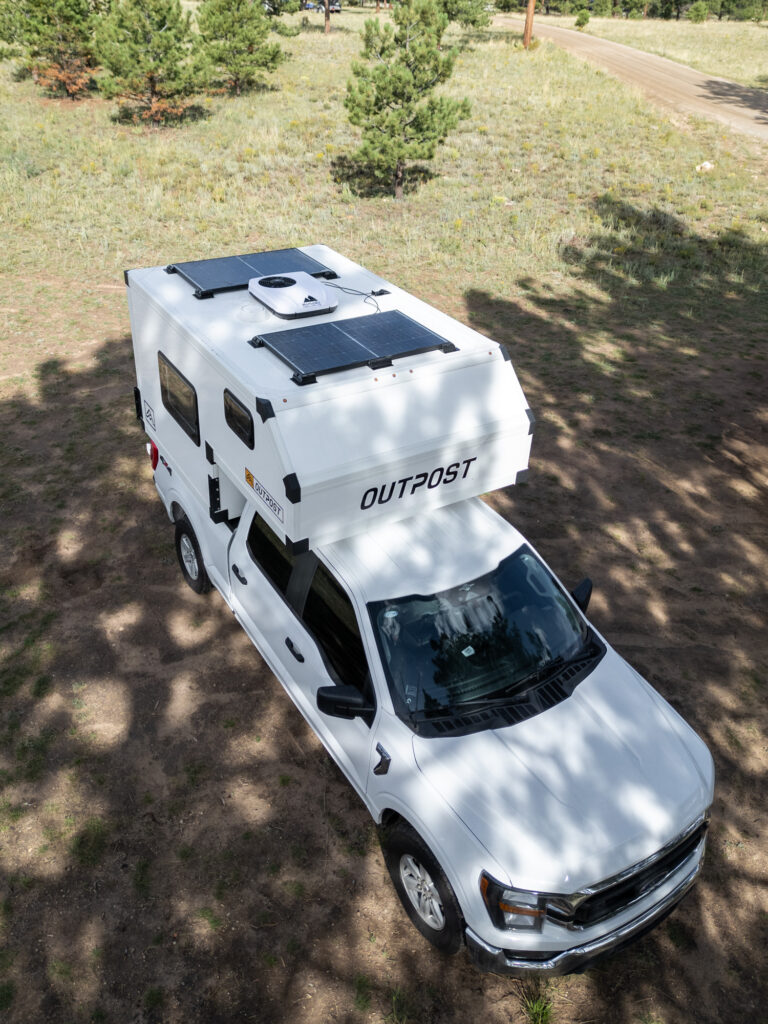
(538, 801)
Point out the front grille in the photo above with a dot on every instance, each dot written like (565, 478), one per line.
(617, 896)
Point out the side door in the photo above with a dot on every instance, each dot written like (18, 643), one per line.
(329, 643)
(304, 624)
(260, 571)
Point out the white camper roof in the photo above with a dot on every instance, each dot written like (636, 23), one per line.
(376, 410)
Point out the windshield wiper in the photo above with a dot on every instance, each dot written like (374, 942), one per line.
(587, 654)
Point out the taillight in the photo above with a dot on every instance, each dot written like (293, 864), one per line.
(153, 453)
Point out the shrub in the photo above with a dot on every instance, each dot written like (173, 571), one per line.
(582, 18)
(232, 47)
(391, 97)
(145, 47)
(54, 40)
(698, 12)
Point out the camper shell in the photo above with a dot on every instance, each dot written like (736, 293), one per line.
(374, 411)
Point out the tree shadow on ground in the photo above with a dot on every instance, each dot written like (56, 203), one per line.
(367, 183)
(177, 846)
(649, 382)
(157, 858)
(731, 92)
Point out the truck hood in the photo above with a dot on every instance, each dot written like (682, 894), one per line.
(581, 791)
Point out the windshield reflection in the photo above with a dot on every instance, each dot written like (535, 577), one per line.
(490, 638)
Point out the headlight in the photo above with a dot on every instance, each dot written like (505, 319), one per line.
(512, 908)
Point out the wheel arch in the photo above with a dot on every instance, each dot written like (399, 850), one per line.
(389, 816)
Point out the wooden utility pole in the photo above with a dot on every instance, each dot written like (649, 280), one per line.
(528, 31)
(327, 16)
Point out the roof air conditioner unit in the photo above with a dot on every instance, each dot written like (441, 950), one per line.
(294, 295)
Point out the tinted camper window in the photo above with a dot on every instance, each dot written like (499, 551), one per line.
(239, 420)
(179, 398)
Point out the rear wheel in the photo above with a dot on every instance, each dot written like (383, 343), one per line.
(190, 558)
(422, 886)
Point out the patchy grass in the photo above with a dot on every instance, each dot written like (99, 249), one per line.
(141, 737)
(90, 843)
(534, 1002)
(728, 49)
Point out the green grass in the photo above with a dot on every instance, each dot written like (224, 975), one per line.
(728, 49)
(363, 987)
(534, 1002)
(504, 202)
(153, 998)
(7, 992)
(141, 879)
(212, 920)
(90, 844)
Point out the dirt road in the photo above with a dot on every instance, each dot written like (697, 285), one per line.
(668, 83)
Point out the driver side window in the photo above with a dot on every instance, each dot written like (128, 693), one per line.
(330, 617)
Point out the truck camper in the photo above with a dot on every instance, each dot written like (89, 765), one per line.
(320, 439)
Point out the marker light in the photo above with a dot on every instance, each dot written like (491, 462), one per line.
(153, 453)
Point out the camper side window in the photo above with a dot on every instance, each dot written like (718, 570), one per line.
(270, 554)
(239, 420)
(330, 617)
(179, 398)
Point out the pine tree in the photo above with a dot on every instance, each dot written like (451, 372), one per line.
(145, 46)
(54, 38)
(231, 44)
(390, 97)
(468, 13)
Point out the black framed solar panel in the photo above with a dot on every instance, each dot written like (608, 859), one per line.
(228, 273)
(373, 340)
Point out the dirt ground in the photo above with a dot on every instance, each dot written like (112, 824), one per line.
(674, 86)
(177, 846)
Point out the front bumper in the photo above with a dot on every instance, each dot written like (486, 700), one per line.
(578, 958)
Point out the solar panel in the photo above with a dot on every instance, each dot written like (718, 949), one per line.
(373, 340)
(228, 273)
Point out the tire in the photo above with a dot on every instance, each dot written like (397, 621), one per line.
(190, 559)
(424, 890)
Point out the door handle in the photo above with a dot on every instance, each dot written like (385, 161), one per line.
(294, 649)
(239, 575)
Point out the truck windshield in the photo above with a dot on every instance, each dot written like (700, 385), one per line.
(491, 638)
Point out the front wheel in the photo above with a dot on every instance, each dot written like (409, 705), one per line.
(190, 559)
(422, 886)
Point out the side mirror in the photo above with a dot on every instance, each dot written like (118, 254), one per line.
(582, 593)
(343, 702)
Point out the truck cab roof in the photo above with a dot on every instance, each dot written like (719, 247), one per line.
(431, 552)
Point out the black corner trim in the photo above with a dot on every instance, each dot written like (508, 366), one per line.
(214, 497)
(292, 488)
(303, 378)
(256, 341)
(329, 275)
(297, 547)
(379, 364)
(125, 278)
(137, 402)
(384, 761)
(209, 454)
(171, 269)
(264, 409)
(200, 294)
(505, 353)
(531, 420)
(522, 476)
(380, 291)
(448, 346)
